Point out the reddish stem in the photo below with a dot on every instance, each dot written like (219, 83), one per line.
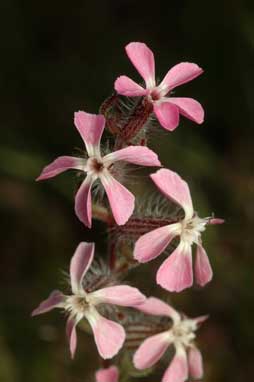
(139, 226)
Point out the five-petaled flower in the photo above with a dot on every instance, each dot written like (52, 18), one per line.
(111, 374)
(121, 200)
(187, 361)
(109, 335)
(166, 109)
(175, 273)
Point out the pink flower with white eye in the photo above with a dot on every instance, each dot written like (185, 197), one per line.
(175, 273)
(109, 336)
(166, 109)
(121, 200)
(187, 361)
(111, 374)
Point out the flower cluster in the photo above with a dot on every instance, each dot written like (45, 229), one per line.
(102, 299)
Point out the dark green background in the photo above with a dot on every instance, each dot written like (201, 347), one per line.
(60, 56)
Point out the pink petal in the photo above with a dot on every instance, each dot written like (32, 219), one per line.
(83, 203)
(190, 108)
(203, 270)
(90, 127)
(143, 60)
(122, 295)
(60, 165)
(174, 188)
(71, 335)
(178, 369)
(80, 263)
(175, 274)
(139, 155)
(110, 374)
(167, 114)
(152, 244)
(127, 87)
(180, 74)
(216, 221)
(55, 300)
(151, 350)
(109, 336)
(121, 201)
(195, 363)
(156, 307)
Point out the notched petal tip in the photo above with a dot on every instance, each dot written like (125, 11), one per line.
(90, 128)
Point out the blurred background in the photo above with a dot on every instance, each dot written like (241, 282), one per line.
(58, 57)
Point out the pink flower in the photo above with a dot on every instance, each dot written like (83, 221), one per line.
(109, 335)
(187, 361)
(175, 273)
(121, 200)
(166, 109)
(110, 374)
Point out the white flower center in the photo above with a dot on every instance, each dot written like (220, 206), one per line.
(192, 228)
(77, 305)
(183, 332)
